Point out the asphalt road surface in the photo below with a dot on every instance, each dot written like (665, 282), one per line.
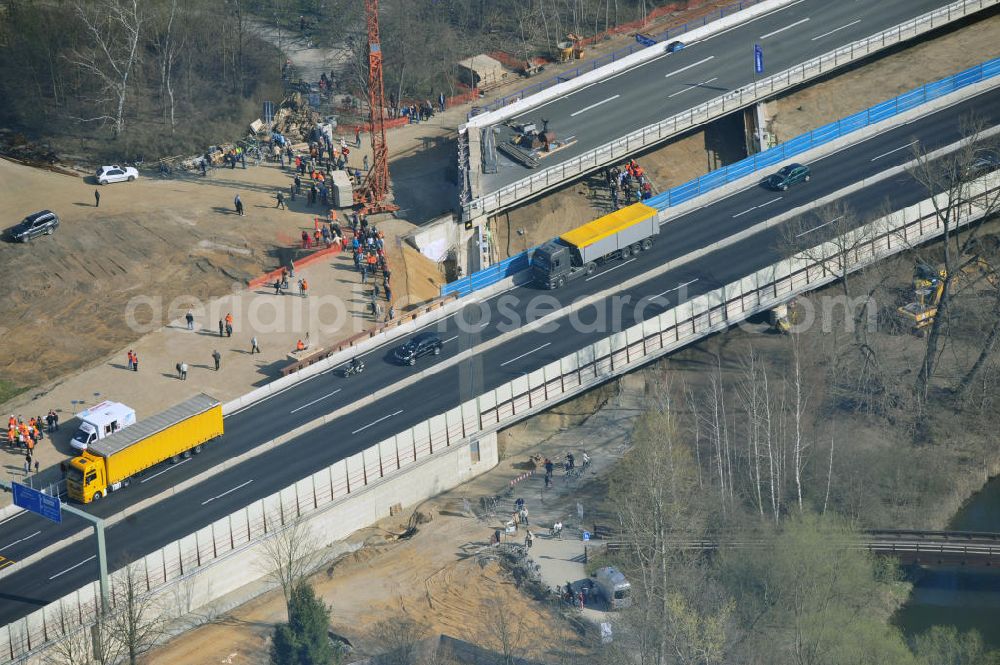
(71, 567)
(672, 83)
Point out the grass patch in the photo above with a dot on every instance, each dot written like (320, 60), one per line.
(9, 391)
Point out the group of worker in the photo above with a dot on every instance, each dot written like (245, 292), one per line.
(26, 433)
(626, 182)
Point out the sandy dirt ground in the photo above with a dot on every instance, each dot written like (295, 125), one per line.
(433, 578)
(883, 79)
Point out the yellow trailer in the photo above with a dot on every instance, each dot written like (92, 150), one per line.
(108, 464)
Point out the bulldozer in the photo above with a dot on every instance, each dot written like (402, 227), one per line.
(928, 285)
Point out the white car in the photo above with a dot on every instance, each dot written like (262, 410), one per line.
(115, 173)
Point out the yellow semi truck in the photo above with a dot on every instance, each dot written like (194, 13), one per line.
(110, 463)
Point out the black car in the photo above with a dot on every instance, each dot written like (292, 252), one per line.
(422, 345)
(38, 224)
(787, 176)
(983, 162)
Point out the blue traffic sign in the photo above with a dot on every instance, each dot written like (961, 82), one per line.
(31, 499)
(758, 58)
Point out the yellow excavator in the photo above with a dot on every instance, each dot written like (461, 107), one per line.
(928, 285)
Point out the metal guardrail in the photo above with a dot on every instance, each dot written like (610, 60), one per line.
(769, 158)
(620, 149)
(597, 63)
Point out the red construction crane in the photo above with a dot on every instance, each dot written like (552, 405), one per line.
(375, 189)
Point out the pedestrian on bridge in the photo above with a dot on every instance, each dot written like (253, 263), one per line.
(217, 357)
(254, 347)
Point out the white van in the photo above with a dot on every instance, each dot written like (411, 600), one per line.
(101, 420)
(614, 587)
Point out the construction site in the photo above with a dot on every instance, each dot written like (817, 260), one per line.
(335, 220)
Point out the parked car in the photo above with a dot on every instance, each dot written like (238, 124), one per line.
(789, 175)
(423, 344)
(115, 173)
(673, 47)
(41, 223)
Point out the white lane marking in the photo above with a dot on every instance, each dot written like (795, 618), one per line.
(787, 27)
(657, 58)
(450, 339)
(169, 468)
(377, 421)
(596, 275)
(692, 86)
(827, 34)
(757, 206)
(820, 226)
(679, 286)
(593, 106)
(19, 540)
(89, 558)
(886, 154)
(684, 69)
(13, 517)
(219, 496)
(318, 399)
(525, 354)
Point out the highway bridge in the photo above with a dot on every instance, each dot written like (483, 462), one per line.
(485, 345)
(488, 344)
(619, 110)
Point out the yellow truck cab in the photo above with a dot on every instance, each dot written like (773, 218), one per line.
(109, 464)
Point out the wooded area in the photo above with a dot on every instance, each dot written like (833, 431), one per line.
(125, 78)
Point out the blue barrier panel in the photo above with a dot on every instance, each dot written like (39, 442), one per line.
(741, 168)
(938, 88)
(684, 190)
(991, 68)
(768, 158)
(911, 99)
(882, 111)
(968, 77)
(853, 122)
(798, 144)
(711, 180)
(825, 133)
(678, 197)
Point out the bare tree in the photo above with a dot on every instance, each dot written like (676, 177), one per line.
(949, 179)
(74, 646)
(169, 48)
(135, 620)
(115, 31)
(506, 632)
(401, 637)
(290, 555)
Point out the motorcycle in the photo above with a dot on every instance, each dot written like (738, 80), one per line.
(354, 369)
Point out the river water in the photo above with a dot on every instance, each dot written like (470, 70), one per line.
(967, 598)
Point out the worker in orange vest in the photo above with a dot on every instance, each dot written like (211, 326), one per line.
(300, 346)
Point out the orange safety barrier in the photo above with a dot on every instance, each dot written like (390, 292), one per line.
(269, 278)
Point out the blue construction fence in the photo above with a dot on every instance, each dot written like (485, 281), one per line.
(835, 130)
(670, 33)
(490, 276)
(763, 160)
